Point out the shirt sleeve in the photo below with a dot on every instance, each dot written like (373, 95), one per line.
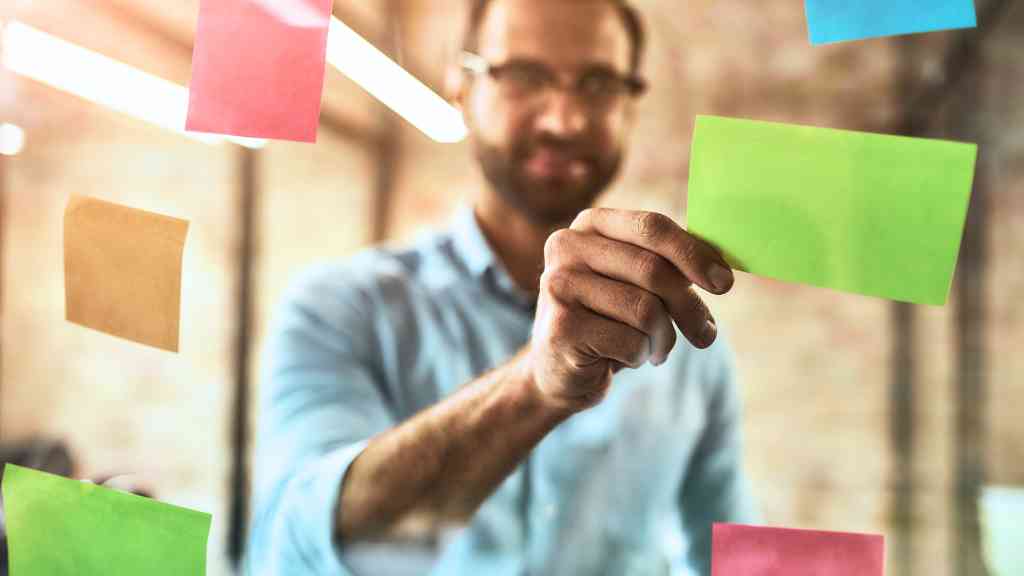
(322, 399)
(715, 488)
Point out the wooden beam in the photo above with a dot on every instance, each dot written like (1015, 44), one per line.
(920, 111)
(388, 153)
(248, 208)
(970, 386)
(903, 363)
(388, 146)
(970, 379)
(902, 424)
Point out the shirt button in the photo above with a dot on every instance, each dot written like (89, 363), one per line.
(550, 510)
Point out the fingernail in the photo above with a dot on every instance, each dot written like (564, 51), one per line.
(720, 277)
(708, 333)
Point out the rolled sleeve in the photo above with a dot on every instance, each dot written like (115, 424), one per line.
(306, 526)
(322, 401)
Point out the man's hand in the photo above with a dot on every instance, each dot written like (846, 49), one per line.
(613, 284)
(124, 482)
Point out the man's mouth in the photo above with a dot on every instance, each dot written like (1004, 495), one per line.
(551, 164)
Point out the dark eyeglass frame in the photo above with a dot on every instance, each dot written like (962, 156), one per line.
(634, 85)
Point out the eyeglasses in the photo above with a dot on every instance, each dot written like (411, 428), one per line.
(599, 87)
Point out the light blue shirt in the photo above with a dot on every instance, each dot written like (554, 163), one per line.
(629, 487)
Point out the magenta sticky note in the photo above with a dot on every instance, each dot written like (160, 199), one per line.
(741, 550)
(258, 68)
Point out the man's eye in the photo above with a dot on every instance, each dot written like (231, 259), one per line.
(525, 77)
(600, 85)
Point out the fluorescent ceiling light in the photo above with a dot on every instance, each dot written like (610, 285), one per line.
(392, 85)
(12, 139)
(60, 64)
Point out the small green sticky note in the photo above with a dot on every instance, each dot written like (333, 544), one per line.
(865, 213)
(59, 526)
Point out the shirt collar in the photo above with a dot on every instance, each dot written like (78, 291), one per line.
(472, 247)
(470, 244)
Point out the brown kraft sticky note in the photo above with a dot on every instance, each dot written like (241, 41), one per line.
(122, 271)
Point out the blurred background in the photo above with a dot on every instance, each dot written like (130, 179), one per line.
(860, 414)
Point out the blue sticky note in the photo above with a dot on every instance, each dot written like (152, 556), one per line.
(840, 20)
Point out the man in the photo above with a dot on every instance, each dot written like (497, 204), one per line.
(520, 374)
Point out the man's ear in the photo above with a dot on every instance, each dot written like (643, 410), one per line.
(455, 86)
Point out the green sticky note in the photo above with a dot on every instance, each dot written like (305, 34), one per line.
(59, 526)
(865, 213)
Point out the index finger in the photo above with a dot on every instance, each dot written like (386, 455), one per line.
(696, 259)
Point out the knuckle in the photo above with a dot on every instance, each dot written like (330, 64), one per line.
(546, 287)
(648, 266)
(582, 218)
(689, 252)
(556, 282)
(646, 311)
(556, 244)
(558, 314)
(650, 224)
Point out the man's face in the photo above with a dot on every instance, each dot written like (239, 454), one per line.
(549, 153)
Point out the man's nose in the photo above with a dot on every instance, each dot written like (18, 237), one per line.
(562, 114)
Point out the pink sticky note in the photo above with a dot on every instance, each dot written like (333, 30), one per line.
(739, 550)
(258, 68)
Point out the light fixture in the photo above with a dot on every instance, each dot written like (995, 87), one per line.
(12, 139)
(385, 80)
(60, 64)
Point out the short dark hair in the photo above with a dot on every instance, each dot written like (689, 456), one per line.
(630, 19)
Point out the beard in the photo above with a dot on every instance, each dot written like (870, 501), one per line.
(550, 200)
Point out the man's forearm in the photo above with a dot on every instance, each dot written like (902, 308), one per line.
(442, 463)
